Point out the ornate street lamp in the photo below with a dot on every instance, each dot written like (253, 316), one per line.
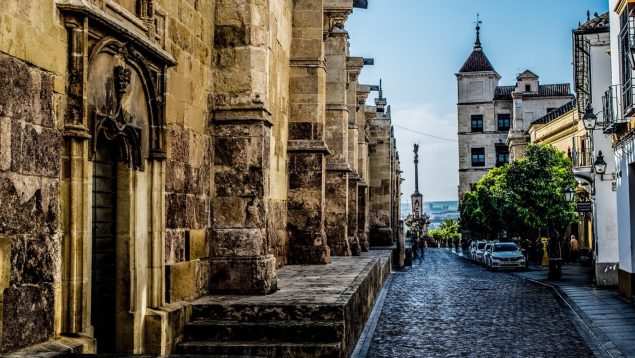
(600, 164)
(589, 119)
(569, 195)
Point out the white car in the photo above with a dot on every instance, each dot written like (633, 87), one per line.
(505, 255)
(479, 254)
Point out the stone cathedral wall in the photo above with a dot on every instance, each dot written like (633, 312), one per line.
(220, 216)
(32, 88)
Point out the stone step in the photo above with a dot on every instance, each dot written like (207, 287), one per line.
(261, 349)
(211, 310)
(269, 331)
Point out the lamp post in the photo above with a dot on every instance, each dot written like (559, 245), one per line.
(589, 119)
(569, 194)
(600, 165)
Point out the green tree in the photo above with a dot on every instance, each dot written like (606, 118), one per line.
(522, 197)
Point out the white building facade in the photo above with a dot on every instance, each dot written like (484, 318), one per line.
(592, 78)
(618, 120)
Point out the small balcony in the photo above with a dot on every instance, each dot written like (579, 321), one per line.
(612, 107)
(580, 152)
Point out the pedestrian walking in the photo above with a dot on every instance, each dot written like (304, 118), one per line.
(574, 248)
(422, 245)
(413, 246)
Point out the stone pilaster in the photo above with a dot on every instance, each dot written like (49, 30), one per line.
(239, 260)
(353, 207)
(354, 66)
(240, 257)
(337, 212)
(307, 149)
(361, 119)
(380, 176)
(337, 113)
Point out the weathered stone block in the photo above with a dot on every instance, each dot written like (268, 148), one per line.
(229, 212)
(5, 264)
(164, 327)
(305, 170)
(41, 260)
(202, 277)
(196, 213)
(249, 275)
(30, 205)
(5, 143)
(35, 150)
(230, 181)
(174, 246)
(176, 210)
(181, 279)
(237, 242)
(178, 145)
(26, 92)
(198, 244)
(31, 309)
(174, 176)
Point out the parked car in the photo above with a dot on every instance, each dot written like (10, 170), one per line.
(471, 250)
(480, 251)
(487, 252)
(504, 255)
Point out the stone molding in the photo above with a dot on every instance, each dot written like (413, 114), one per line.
(337, 107)
(93, 12)
(308, 146)
(233, 116)
(307, 62)
(338, 167)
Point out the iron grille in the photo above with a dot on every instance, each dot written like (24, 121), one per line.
(582, 68)
(626, 43)
(580, 153)
(612, 109)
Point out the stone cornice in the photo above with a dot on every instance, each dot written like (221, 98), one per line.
(308, 146)
(307, 62)
(337, 107)
(338, 167)
(242, 115)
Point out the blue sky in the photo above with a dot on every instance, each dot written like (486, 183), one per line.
(419, 45)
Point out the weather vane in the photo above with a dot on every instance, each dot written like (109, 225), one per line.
(477, 44)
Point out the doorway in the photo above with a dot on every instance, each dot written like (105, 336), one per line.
(104, 257)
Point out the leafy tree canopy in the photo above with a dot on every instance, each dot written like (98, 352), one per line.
(523, 196)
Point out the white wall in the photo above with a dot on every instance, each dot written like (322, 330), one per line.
(605, 200)
(623, 156)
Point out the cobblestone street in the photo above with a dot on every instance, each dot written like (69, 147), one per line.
(446, 306)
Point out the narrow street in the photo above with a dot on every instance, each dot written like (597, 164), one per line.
(446, 306)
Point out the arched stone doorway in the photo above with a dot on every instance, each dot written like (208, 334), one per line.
(113, 202)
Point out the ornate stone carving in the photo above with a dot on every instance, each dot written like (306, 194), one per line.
(117, 128)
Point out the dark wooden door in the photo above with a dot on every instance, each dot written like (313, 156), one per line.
(104, 249)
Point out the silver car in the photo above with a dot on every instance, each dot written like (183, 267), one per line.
(504, 255)
(479, 254)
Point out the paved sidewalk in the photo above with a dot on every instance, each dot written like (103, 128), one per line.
(610, 318)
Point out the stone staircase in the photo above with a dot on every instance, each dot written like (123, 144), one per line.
(272, 331)
(319, 311)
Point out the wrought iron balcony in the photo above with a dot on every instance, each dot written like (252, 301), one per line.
(613, 111)
(580, 152)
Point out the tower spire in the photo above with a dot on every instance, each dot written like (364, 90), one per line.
(477, 44)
